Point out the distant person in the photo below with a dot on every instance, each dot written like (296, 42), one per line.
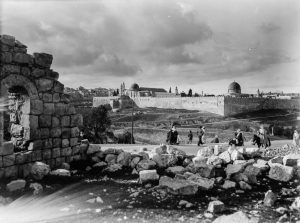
(238, 139)
(200, 134)
(172, 136)
(215, 140)
(296, 138)
(264, 139)
(190, 137)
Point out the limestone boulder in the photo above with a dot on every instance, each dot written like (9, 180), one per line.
(175, 170)
(16, 185)
(145, 165)
(250, 151)
(218, 149)
(262, 165)
(60, 173)
(205, 151)
(178, 186)
(228, 185)
(237, 217)
(147, 176)
(296, 204)
(93, 148)
(164, 160)
(180, 154)
(199, 161)
(100, 165)
(207, 171)
(233, 169)
(36, 187)
(281, 173)
(162, 149)
(124, 159)
(270, 198)
(134, 161)
(216, 206)
(110, 159)
(39, 170)
(214, 160)
(202, 182)
(244, 186)
(236, 155)
(113, 168)
(275, 160)
(225, 156)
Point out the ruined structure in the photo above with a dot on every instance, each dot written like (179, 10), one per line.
(42, 126)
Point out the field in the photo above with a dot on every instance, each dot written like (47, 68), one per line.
(152, 124)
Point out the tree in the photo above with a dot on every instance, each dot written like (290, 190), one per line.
(196, 95)
(114, 93)
(95, 122)
(190, 94)
(170, 90)
(118, 91)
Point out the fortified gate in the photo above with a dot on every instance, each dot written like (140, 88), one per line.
(37, 124)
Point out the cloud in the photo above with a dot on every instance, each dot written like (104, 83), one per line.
(187, 42)
(269, 28)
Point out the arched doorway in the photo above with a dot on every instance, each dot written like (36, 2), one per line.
(17, 93)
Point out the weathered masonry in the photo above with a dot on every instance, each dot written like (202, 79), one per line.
(38, 123)
(225, 106)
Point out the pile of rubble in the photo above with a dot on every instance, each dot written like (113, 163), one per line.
(169, 170)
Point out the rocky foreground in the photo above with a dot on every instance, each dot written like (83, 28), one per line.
(167, 171)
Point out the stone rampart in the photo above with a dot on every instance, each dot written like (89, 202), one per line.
(225, 106)
(233, 106)
(209, 104)
(43, 125)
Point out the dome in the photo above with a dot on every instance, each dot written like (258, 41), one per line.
(234, 87)
(134, 87)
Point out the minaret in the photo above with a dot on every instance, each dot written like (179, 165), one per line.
(176, 90)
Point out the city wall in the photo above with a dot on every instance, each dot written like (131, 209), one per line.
(225, 106)
(233, 106)
(209, 104)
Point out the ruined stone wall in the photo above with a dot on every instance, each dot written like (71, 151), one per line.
(235, 106)
(46, 126)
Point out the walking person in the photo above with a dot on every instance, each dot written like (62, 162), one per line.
(190, 137)
(264, 139)
(172, 136)
(239, 137)
(200, 134)
(296, 138)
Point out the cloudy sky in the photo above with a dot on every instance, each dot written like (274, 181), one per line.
(198, 44)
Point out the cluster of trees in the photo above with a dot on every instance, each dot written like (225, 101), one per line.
(95, 123)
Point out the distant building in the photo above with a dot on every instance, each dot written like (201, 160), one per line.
(234, 89)
(136, 91)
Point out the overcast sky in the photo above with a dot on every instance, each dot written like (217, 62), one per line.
(198, 44)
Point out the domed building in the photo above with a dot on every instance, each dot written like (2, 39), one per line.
(234, 89)
(136, 91)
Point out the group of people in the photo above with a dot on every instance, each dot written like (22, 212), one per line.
(261, 138)
(174, 139)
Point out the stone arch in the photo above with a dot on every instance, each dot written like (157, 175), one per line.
(14, 80)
